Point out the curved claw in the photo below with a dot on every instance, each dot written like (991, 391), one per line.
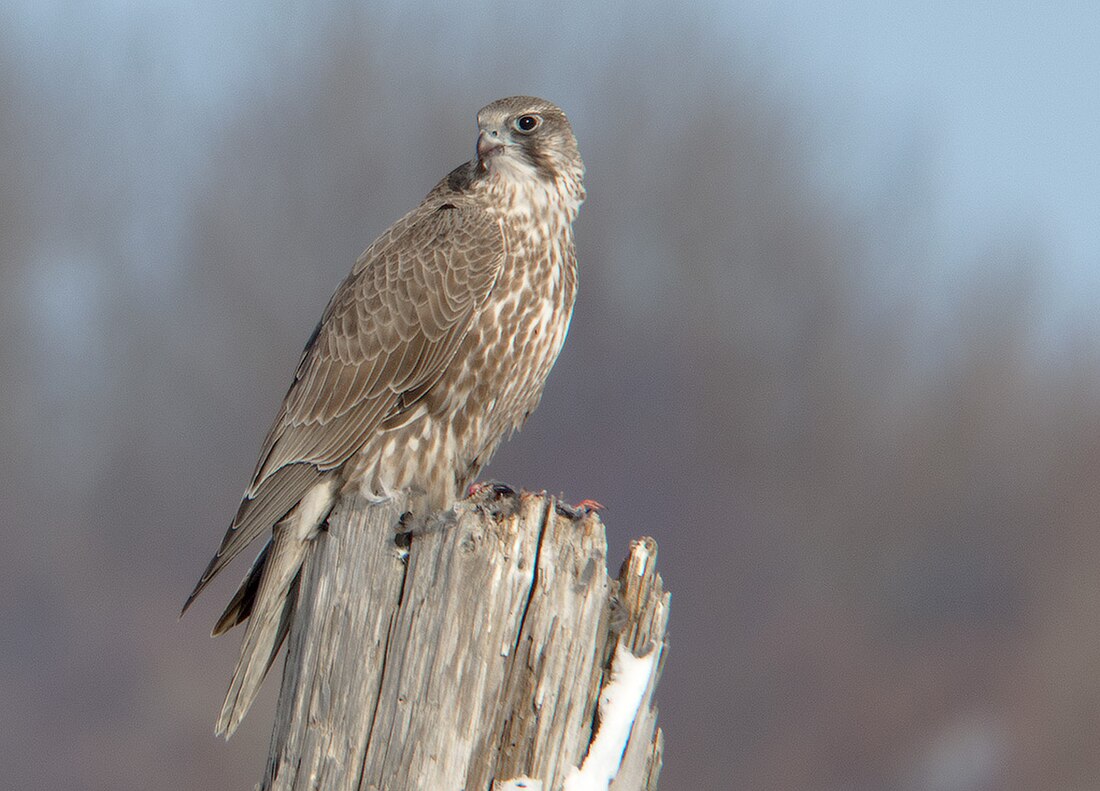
(581, 509)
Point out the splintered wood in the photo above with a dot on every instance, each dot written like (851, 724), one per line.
(475, 651)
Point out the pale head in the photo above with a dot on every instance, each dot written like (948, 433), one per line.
(528, 143)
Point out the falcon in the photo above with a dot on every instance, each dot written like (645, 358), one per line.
(437, 344)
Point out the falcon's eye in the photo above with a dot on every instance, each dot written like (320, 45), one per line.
(527, 123)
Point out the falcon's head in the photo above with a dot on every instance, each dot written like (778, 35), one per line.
(523, 138)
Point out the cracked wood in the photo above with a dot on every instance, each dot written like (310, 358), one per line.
(468, 651)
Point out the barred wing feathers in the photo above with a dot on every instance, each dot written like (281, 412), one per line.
(386, 337)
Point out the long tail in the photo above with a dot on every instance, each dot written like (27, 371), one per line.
(267, 597)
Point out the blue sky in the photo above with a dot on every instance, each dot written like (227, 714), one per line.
(1006, 94)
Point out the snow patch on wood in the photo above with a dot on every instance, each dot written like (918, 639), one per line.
(620, 701)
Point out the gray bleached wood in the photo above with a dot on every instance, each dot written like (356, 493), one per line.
(473, 658)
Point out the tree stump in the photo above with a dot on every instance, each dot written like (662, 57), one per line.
(485, 649)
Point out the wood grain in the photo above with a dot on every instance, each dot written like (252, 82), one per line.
(466, 652)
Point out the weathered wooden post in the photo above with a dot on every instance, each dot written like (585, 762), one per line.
(487, 649)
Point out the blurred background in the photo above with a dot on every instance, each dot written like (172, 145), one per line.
(835, 348)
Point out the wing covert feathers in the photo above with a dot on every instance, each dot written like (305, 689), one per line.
(391, 327)
(389, 331)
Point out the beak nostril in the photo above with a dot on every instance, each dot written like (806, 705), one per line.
(488, 142)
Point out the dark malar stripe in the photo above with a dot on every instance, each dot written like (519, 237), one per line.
(537, 156)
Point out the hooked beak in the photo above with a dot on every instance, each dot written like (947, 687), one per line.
(488, 145)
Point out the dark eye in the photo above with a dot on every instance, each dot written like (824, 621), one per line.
(525, 123)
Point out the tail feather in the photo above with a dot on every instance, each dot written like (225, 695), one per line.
(267, 598)
(240, 606)
(268, 623)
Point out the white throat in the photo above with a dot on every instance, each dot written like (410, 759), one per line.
(522, 191)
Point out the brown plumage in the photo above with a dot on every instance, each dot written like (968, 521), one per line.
(436, 345)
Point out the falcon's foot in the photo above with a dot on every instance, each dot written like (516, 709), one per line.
(495, 488)
(581, 509)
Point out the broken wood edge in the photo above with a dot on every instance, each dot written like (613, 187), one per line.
(624, 752)
(629, 628)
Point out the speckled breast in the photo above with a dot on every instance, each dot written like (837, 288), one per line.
(495, 380)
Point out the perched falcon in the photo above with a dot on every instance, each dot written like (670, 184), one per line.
(436, 345)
